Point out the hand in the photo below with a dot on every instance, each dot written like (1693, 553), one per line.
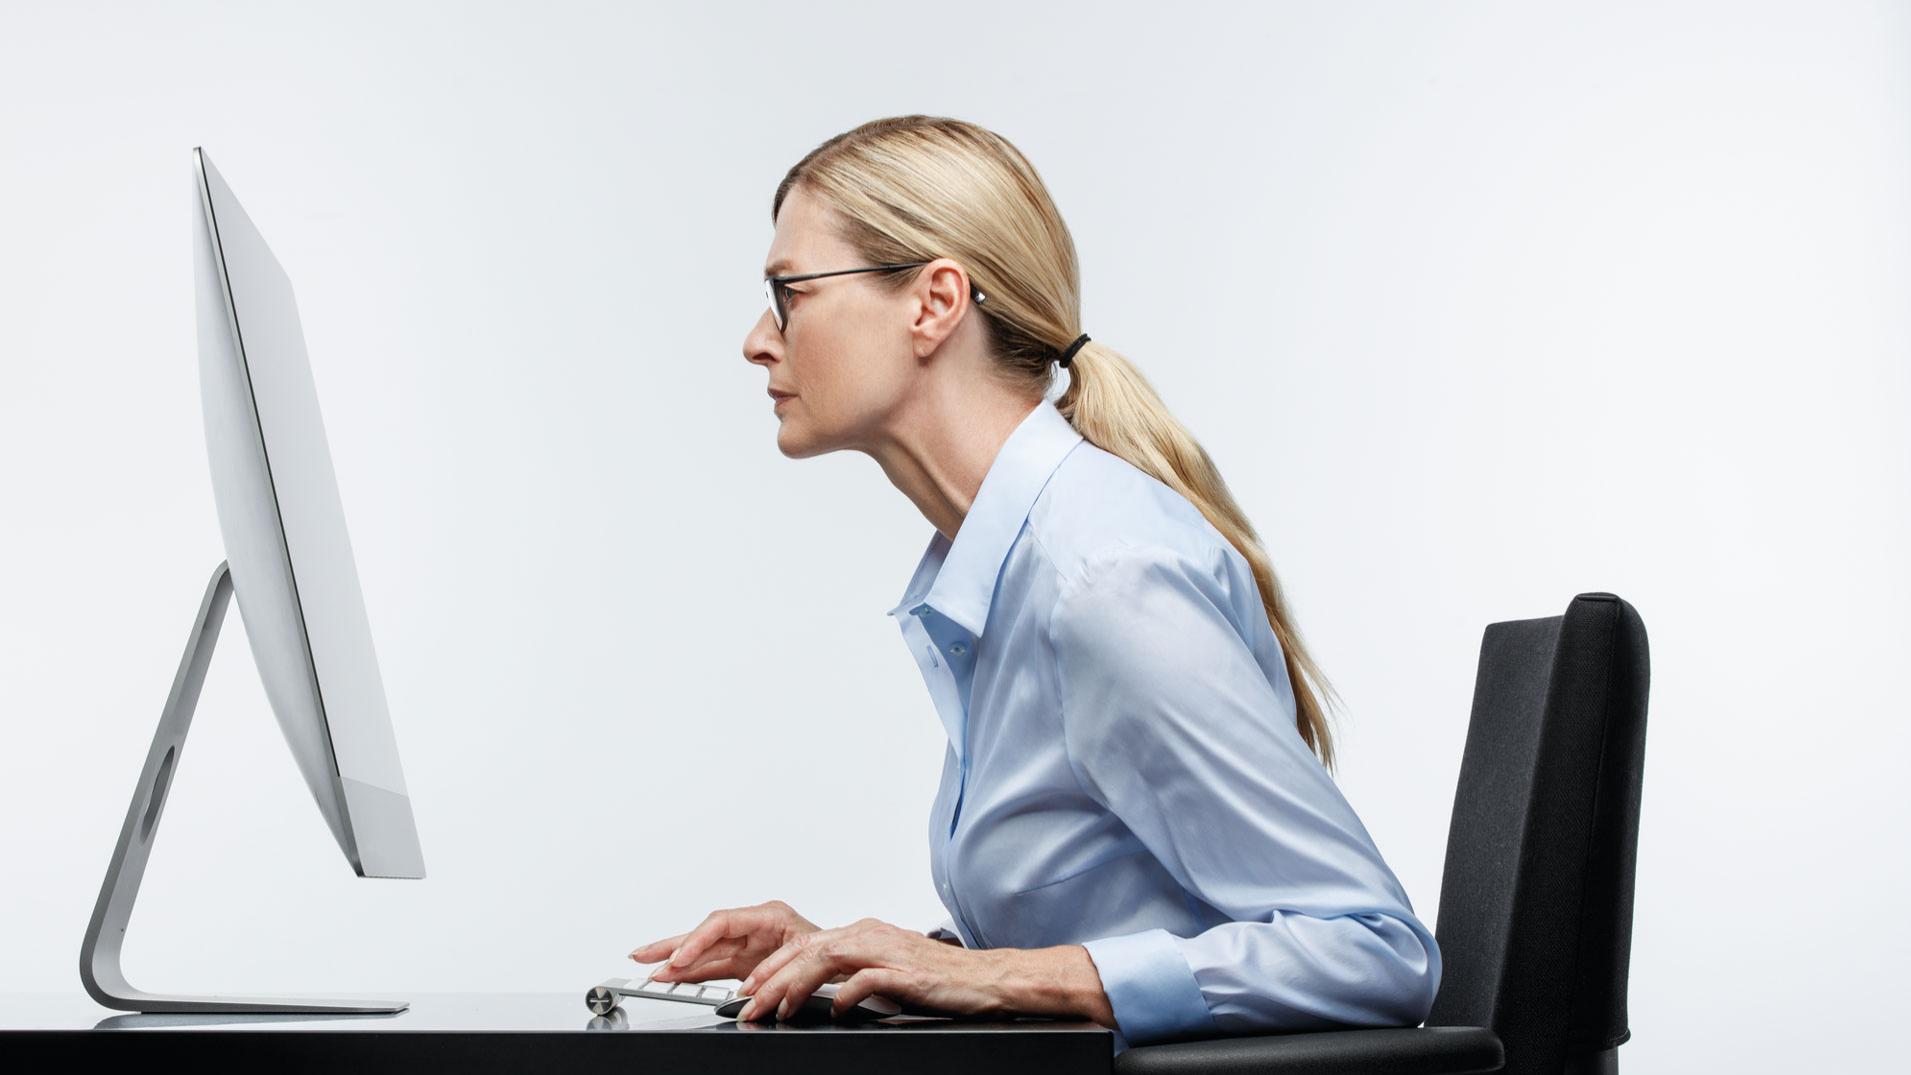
(924, 975)
(727, 943)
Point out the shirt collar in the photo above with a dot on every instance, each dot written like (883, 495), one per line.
(959, 576)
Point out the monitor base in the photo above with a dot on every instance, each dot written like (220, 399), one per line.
(99, 954)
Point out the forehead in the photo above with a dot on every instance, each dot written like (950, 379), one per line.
(807, 236)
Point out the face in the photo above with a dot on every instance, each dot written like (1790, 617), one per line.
(850, 353)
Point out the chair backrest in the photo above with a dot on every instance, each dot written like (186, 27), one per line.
(1535, 926)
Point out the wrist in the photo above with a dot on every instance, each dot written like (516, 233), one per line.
(1059, 982)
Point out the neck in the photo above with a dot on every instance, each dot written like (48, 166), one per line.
(938, 452)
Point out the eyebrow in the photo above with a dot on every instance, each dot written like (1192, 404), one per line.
(776, 267)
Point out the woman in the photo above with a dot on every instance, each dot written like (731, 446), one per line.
(1132, 826)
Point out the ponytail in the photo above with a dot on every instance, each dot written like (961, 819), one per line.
(1114, 407)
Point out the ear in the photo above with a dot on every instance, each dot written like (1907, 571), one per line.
(942, 301)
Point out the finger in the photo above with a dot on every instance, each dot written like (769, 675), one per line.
(769, 982)
(723, 950)
(775, 961)
(864, 983)
(735, 967)
(787, 989)
(729, 963)
(658, 950)
(801, 977)
(715, 926)
(732, 922)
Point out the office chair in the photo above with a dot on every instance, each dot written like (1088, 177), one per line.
(1535, 927)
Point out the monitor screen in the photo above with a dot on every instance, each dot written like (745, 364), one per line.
(284, 528)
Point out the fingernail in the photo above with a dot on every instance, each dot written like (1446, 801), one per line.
(781, 1008)
(748, 1010)
(747, 983)
(676, 958)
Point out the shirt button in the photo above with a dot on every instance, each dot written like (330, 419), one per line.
(958, 649)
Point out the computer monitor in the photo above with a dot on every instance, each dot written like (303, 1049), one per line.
(289, 562)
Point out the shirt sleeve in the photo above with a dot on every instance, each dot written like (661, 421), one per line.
(1184, 729)
(946, 931)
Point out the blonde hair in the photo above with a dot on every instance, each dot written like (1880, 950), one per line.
(915, 188)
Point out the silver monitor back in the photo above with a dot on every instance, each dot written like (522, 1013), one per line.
(284, 530)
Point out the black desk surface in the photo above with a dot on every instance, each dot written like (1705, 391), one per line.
(538, 1031)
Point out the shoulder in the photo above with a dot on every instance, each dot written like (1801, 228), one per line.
(1130, 555)
(1100, 512)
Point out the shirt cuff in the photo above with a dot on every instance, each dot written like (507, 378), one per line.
(1150, 988)
(946, 932)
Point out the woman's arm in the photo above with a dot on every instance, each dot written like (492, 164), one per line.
(926, 976)
(1177, 726)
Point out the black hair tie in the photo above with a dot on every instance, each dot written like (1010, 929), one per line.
(1069, 355)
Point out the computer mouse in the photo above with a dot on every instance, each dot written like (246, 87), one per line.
(816, 1008)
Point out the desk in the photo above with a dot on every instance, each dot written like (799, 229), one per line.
(481, 1032)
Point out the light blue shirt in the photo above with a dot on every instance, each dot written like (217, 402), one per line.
(1124, 771)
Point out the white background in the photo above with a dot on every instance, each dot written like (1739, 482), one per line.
(1476, 306)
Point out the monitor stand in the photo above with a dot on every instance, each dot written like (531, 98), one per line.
(99, 954)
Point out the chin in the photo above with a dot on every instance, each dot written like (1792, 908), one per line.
(794, 445)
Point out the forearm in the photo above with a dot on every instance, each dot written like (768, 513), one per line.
(1059, 982)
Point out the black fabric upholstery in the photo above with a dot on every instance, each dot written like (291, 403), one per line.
(1535, 926)
(1447, 1050)
(1535, 922)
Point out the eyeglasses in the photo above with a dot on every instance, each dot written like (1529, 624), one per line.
(779, 295)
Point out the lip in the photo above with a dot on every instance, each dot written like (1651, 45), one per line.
(781, 396)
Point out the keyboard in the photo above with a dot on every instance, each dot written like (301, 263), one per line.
(603, 998)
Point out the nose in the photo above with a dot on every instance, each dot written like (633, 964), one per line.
(764, 344)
